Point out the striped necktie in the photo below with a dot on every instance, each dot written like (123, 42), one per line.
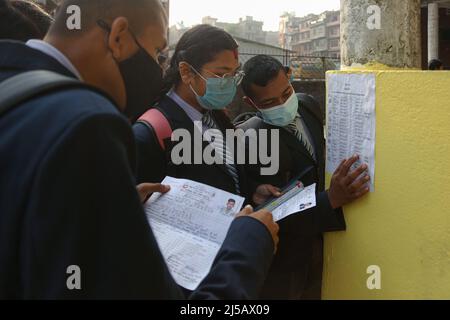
(222, 150)
(298, 129)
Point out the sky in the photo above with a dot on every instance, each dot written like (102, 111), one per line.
(191, 12)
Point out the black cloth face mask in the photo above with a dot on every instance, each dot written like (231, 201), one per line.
(143, 79)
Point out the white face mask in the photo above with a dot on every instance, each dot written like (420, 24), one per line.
(282, 115)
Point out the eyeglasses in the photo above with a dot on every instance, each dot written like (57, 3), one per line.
(236, 77)
(161, 56)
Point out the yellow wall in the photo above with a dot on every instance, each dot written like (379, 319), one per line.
(404, 226)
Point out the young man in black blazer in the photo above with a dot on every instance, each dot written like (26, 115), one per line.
(67, 191)
(297, 269)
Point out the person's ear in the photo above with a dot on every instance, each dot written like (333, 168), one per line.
(186, 73)
(120, 40)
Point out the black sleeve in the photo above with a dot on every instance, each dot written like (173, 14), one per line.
(328, 219)
(241, 265)
(151, 159)
(84, 211)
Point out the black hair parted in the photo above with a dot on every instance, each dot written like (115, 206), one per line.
(260, 70)
(197, 47)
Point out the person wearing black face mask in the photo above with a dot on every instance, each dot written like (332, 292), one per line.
(71, 221)
(142, 77)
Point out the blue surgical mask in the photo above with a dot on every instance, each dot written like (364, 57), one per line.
(282, 115)
(220, 92)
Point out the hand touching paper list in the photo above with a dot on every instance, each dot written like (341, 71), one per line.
(351, 121)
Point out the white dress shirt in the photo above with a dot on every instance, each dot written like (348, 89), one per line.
(51, 51)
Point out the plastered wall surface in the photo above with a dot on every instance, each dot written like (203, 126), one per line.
(404, 226)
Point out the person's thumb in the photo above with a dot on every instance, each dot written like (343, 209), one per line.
(274, 191)
(145, 190)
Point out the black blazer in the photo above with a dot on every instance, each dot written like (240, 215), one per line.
(154, 164)
(301, 234)
(68, 197)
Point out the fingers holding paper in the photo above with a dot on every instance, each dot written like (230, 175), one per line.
(265, 192)
(145, 190)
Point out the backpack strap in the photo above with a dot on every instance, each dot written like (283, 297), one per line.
(159, 124)
(27, 85)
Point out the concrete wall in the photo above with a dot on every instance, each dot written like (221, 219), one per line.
(404, 226)
(397, 41)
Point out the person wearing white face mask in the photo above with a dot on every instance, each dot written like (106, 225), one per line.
(297, 269)
(201, 82)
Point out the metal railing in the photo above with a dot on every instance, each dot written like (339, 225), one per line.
(303, 67)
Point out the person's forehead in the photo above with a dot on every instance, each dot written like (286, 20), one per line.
(275, 88)
(223, 61)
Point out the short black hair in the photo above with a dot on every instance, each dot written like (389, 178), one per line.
(23, 20)
(140, 13)
(260, 70)
(435, 64)
(232, 200)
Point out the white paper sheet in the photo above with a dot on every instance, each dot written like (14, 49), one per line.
(190, 223)
(304, 200)
(351, 120)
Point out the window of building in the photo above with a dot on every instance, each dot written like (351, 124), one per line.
(334, 43)
(334, 31)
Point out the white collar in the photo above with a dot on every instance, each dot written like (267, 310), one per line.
(51, 51)
(192, 113)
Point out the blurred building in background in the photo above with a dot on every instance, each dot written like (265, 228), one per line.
(247, 28)
(311, 35)
(249, 48)
(287, 27)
